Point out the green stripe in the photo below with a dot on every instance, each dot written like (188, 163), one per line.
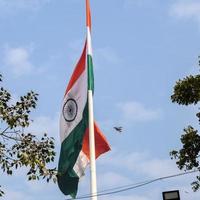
(70, 149)
(90, 73)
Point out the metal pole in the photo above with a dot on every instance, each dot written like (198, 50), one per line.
(93, 179)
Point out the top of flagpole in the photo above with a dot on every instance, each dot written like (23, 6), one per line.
(88, 14)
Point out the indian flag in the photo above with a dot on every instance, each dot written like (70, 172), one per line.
(74, 131)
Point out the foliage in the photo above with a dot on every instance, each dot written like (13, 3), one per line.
(187, 92)
(17, 148)
(1, 192)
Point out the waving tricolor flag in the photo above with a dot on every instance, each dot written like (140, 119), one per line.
(74, 122)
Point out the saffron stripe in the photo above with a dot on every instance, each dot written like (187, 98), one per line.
(80, 67)
(88, 14)
(101, 144)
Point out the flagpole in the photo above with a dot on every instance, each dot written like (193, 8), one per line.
(93, 179)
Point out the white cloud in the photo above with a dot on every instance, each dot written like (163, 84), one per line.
(22, 189)
(45, 124)
(186, 9)
(14, 194)
(18, 60)
(13, 6)
(135, 111)
(142, 164)
(158, 167)
(112, 179)
(31, 190)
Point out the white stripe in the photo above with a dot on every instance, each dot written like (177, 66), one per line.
(81, 164)
(78, 92)
(89, 42)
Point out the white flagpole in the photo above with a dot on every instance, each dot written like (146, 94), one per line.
(93, 179)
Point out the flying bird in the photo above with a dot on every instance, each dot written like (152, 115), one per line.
(119, 129)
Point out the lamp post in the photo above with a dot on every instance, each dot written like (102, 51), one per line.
(171, 195)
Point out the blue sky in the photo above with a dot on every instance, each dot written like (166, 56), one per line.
(141, 47)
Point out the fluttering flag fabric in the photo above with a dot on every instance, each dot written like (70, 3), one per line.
(74, 131)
